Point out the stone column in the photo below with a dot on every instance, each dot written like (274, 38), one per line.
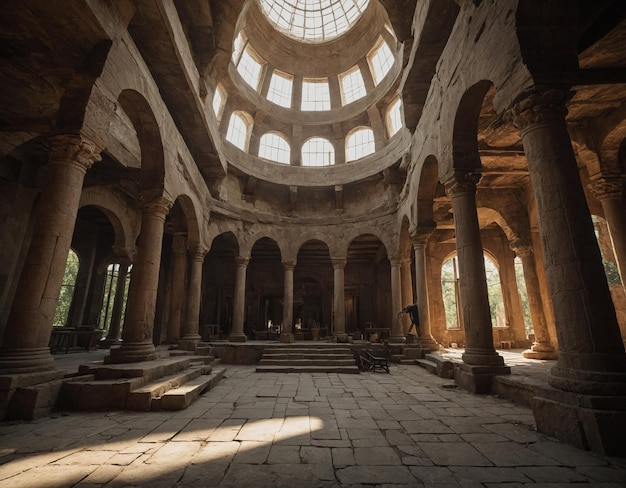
(191, 326)
(479, 350)
(419, 237)
(339, 305)
(237, 334)
(542, 348)
(407, 292)
(25, 345)
(609, 191)
(397, 334)
(115, 328)
(140, 309)
(286, 334)
(179, 265)
(591, 351)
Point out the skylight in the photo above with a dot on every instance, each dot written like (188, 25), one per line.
(313, 20)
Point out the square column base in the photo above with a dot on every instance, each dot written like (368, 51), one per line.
(596, 423)
(477, 379)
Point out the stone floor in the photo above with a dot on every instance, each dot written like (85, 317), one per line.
(407, 428)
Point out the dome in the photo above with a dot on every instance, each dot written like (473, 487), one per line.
(313, 21)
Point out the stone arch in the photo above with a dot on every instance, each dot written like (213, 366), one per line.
(145, 124)
(406, 247)
(265, 240)
(191, 215)
(125, 221)
(426, 192)
(386, 240)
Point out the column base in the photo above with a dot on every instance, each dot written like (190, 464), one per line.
(478, 379)
(237, 338)
(540, 350)
(287, 338)
(482, 357)
(189, 343)
(428, 343)
(397, 339)
(108, 343)
(596, 423)
(587, 382)
(131, 352)
(25, 360)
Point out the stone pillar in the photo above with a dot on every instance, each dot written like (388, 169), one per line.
(481, 361)
(591, 351)
(420, 237)
(140, 309)
(191, 335)
(542, 348)
(339, 305)
(407, 292)
(237, 334)
(286, 334)
(589, 378)
(177, 289)
(397, 334)
(609, 191)
(115, 328)
(27, 333)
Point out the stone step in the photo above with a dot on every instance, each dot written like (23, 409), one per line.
(308, 369)
(306, 362)
(436, 364)
(429, 366)
(97, 394)
(318, 350)
(148, 370)
(181, 397)
(142, 398)
(307, 355)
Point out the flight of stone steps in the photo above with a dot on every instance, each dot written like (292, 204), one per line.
(437, 364)
(314, 357)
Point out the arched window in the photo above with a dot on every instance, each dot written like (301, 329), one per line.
(111, 283)
(380, 60)
(64, 303)
(359, 143)
(219, 100)
(318, 152)
(523, 294)
(315, 94)
(494, 289)
(394, 117)
(275, 148)
(238, 130)
(352, 85)
(280, 89)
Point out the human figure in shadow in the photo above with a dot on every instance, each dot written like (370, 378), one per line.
(413, 312)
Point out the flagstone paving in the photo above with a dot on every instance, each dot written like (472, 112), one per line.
(404, 429)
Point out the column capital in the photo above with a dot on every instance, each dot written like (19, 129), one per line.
(289, 263)
(461, 182)
(242, 261)
(522, 250)
(608, 187)
(197, 251)
(72, 147)
(156, 201)
(421, 234)
(395, 260)
(537, 106)
(123, 254)
(338, 262)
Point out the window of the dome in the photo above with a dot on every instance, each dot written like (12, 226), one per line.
(237, 133)
(250, 68)
(352, 86)
(275, 148)
(313, 20)
(360, 143)
(394, 117)
(315, 94)
(381, 61)
(280, 89)
(318, 151)
(238, 45)
(219, 100)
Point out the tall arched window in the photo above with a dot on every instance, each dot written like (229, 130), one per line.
(110, 291)
(315, 94)
(494, 289)
(274, 147)
(318, 152)
(250, 67)
(64, 303)
(219, 100)
(280, 89)
(394, 117)
(380, 60)
(359, 143)
(238, 130)
(352, 85)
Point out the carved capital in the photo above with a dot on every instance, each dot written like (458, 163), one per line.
(421, 234)
(522, 250)
(289, 264)
(242, 262)
(70, 147)
(338, 262)
(156, 202)
(608, 187)
(539, 106)
(124, 255)
(461, 182)
(197, 251)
